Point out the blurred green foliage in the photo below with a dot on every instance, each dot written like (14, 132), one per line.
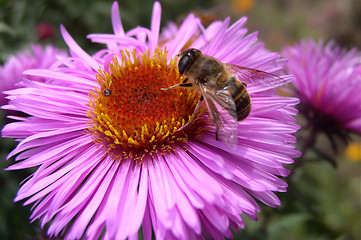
(321, 203)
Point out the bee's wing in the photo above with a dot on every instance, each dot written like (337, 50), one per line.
(224, 121)
(257, 78)
(225, 100)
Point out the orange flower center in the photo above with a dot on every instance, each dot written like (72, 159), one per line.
(131, 115)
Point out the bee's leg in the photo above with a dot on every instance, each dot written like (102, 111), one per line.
(186, 85)
(185, 80)
(196, 109)
(217, 130)
(183, 84)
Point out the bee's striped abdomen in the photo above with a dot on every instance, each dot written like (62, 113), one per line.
(242, 100)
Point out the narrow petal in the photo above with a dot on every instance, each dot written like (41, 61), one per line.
(154, 28)
(74, 47)
(116, 21)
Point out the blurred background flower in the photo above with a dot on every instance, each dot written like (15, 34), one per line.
(353, 151)
(328, 83)
(37, 57)
(322, 202)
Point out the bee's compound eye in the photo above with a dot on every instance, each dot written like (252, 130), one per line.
(182, 64)
(107, 92)
(193, 51)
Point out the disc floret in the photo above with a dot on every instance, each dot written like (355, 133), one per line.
(130, 112)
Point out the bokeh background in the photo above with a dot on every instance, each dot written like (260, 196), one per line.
(323, 201)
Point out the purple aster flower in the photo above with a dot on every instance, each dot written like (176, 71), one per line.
(115, 153)
(328, 82)
(11, 73)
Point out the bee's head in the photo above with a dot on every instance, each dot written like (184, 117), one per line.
(187, 58)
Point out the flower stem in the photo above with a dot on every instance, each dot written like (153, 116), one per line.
(307, 145)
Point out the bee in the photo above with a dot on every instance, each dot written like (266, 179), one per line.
(220, 85)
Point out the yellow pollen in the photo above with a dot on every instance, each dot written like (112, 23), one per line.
(130, 114)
